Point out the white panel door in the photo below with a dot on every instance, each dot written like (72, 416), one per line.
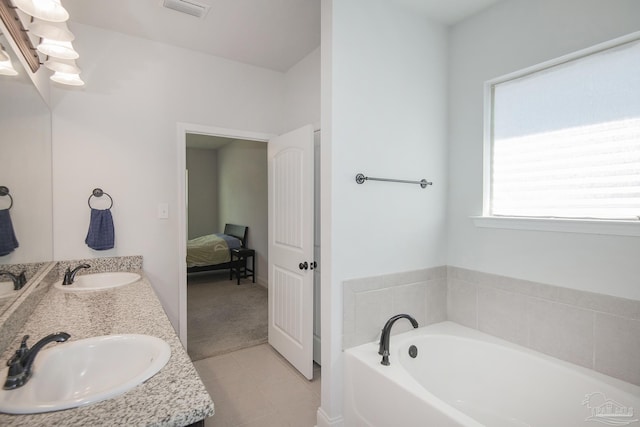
(291, 247)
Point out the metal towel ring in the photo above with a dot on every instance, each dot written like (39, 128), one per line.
(4, 191)
(97, 192)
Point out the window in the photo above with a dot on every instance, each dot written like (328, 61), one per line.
(564, 137)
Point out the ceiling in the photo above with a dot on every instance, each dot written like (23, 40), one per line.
(207, 142)
(273, 34)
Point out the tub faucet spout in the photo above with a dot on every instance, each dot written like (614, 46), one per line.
(385, 337)
(70, 275)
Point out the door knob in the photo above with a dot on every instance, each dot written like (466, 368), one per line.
(304, 265)
(313, 265)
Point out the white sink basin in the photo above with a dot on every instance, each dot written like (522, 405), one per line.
(99, 281)
(76, 373)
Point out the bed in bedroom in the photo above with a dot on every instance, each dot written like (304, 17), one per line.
(212, 252)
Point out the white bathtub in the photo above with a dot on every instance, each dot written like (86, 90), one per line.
(463, 377)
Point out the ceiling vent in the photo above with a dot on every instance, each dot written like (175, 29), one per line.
(189, 7)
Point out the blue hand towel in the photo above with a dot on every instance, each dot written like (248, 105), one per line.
(8, 241)
(100, 236)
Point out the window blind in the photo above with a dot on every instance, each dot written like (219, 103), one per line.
(566, 139)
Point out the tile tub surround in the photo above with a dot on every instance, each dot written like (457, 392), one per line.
(599, 332)
(370, 302)
(175, 396)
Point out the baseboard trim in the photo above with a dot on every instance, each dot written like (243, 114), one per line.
(323, 420)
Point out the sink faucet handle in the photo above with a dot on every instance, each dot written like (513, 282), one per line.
(23, 343)
(19, 354)
(24, 349)
(14, 373)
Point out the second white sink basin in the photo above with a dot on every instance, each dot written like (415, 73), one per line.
(99, 281)
(76, 373)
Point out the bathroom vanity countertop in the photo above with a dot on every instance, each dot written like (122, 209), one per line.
(175, 396)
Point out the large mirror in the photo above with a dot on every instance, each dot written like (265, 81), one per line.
(25, 153)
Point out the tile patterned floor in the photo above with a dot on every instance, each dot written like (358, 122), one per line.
(255, 386)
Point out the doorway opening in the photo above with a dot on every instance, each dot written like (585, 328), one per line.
(184, 130)
(227, 307)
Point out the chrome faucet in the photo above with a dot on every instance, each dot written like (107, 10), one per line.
(22, 361)
(385, 337)
(70, 275)
(18, 281)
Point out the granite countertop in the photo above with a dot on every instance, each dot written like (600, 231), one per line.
(175, 396)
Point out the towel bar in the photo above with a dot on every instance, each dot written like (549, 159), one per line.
(4, 191)
(360, 179)
(97, 192)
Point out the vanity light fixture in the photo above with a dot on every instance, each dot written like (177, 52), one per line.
(57, 49)
(47, 10)
(51, 30)
(67, 66)
(67, 79)
(46, 24)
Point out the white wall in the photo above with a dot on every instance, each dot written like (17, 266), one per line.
(387, 113)
(243, 198)
(120, 133)
(510, 36)
(389, 120)
(203, 192)
(302, 93)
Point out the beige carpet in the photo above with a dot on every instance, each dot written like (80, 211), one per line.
(222, 316)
